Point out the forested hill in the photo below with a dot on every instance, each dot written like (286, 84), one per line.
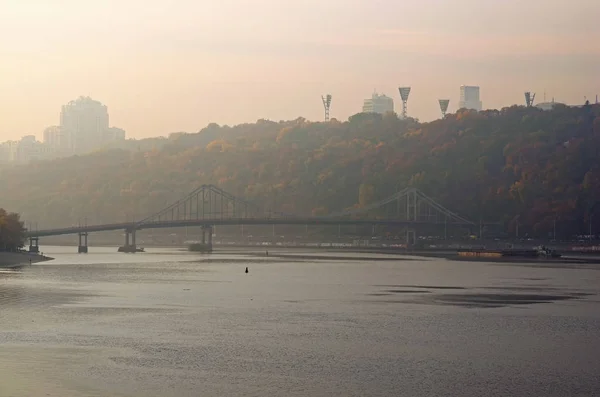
(516, 163)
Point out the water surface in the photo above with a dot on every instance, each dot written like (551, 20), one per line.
(169, 323)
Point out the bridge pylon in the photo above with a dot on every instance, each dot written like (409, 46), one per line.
(415, 213)
(205, 203)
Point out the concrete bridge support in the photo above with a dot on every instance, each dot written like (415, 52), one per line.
(411, 237)
(130, 243)
(83, 243)
(34, 244)
(207, 233)
(205, 244)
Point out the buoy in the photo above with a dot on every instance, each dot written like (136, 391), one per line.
(246, 269)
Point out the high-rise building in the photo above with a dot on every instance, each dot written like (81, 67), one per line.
(5, 152)
(84, 121)
(114, 134)
(56, 138)
(83, 127)
(469, 98)
(27, 149)
(378, 104)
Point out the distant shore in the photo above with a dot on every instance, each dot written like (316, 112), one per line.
(15, 259)
(572, 259)
(282, 252)
(8, 259)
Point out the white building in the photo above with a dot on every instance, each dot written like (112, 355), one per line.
(547, 105)
(57, 138)
(378, 104)
(83, 127)
(4, 152)
(469, 98)
(84, 121)
(26, 150)
(114, 134)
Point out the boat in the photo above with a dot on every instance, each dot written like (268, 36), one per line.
(537, 252)
(485, 253)
(200, 247)
(129, 249)
(546, 252)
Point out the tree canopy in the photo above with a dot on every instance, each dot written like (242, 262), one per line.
(511, 165)
(11, 231)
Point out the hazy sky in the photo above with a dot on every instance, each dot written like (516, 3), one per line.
(175, 65)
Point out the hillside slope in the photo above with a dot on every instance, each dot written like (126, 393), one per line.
(514, 164)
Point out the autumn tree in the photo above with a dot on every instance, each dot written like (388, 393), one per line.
(12, 231)
(504, 165)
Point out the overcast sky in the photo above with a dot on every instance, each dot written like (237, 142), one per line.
(163, 66)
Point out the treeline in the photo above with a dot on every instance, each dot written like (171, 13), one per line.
(517, 165)
(12, 231)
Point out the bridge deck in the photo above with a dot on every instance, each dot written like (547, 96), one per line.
(220, 222)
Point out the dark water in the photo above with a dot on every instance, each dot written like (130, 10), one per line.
(179, 324)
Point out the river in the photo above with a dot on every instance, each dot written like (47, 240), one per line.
(172, 323)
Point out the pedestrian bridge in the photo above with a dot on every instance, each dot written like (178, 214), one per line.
(209, 206)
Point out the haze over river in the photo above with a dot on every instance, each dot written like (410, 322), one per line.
(173, 323)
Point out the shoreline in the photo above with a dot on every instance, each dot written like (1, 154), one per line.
(280, 252)
(14, 259)
(453, 256)
(18, 259)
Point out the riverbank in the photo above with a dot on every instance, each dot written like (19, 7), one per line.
(14, 259)
(400, 254)
(512, 259)
(299, 256)
(567, 257)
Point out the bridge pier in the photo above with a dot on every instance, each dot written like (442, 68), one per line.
(207, 233)
(83, 243)
(34, 244)
(130, 244)
(206, 243)
(411, 237)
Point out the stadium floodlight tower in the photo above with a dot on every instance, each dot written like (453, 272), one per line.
(529, 99)
(404, 92)
(326, 105)
(444, 106)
